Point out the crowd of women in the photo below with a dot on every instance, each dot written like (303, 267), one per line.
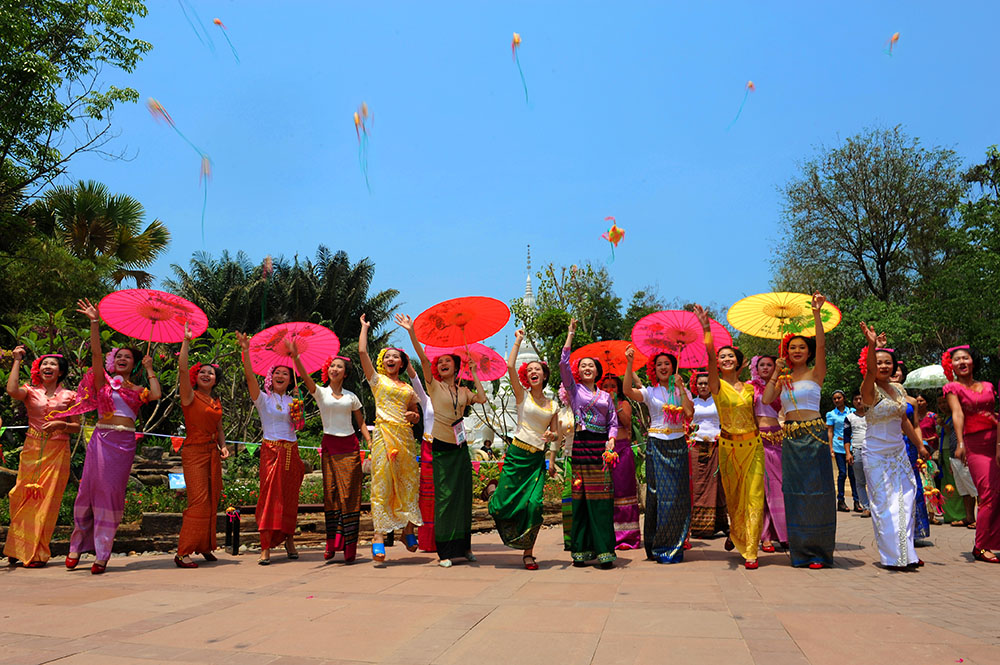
(750, 459)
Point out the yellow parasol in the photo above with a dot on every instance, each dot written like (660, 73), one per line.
(773, 315)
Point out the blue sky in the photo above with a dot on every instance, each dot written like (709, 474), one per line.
(628, 114)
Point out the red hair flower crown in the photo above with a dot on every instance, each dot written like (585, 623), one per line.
(693, 382)
(36, 364)
(522, 372)
(949, 371)
(863, 358)
(324, 374)
(193, 372)
(783, 347)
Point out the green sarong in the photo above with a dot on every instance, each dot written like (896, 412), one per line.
(516, 506)
(452, 499)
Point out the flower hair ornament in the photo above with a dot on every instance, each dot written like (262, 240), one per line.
(949, 371)
(575, 369)
(693, 382)
(783, 347)
(651, 369)
(325, 372)
(863, 358)
(522, 372)
(434, 365)
(36, 373)
(755, 377)
(269, 377)
(109, 359)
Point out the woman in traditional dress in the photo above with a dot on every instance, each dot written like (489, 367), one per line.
(395, 476)
(668, 475)
(708, 501)
(340, 454)
(452, 463)
(956, 481)
(741, 453)
(107, 387)
(624, 485)
(564, 442)
(44, 464)
(892, 489)
(807, 472)
(761, 370)
(926, 421)
(973, 406)
(202, 453)
(516, 506)
(281, 469)
(593, 532)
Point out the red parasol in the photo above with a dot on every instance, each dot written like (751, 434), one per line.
(678, 332)
(314, 342)
(489, 364)
(154, 316)
(461, 321)
(611, 353)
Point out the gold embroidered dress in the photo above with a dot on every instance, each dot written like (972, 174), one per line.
(395, 474)
(741, 466)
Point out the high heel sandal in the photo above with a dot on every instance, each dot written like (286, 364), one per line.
(411, 542)
(378, 552)
(181, 563)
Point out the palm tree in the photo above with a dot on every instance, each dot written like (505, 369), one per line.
(102, 227)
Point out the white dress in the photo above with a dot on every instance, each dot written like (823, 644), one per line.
(892, 487)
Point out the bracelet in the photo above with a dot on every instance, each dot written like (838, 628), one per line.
(151, 377)
(708, 337)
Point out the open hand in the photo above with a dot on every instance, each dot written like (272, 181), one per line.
(85, 307)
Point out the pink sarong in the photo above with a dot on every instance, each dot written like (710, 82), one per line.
(100, 502)
(774, 526)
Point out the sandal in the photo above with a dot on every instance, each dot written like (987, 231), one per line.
(378, 552)
(533, 565)
(98, 568)
(767, 547)
(71, 562)
(970, 525)
(979, 554)
(292, 554)
(263, 562)
(445, 563)
(750, 564)
(411, 542)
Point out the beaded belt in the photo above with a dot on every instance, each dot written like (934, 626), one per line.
(774, 438)
(524, 446)
(287, 445)
(792, 427)
(737, 438)
(38, 434)
(117, 428)
(666, 430)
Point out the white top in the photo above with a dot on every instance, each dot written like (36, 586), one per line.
(425, 405)
(706, 417)
(859, 427)
(273, 411)
(806, 394)
(532, 421)
(336, 412)
(655, 398)
(885, 421)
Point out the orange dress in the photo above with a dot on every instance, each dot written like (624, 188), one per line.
(41, 478)
(202, 464)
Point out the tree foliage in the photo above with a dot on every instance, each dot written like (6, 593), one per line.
(55, 106)
(868, 217)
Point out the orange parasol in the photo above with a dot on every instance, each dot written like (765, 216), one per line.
(611, 353)
(774, 315)
(461, 321)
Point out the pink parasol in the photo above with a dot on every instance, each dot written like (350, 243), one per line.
(611, 353)
(678, 332)
(461, 321)
(154, 316)
(489, 364)
(314, 342)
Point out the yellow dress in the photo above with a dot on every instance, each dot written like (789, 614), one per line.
(395, 472)
(741, 467)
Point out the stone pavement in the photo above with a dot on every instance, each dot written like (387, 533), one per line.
(705, 610)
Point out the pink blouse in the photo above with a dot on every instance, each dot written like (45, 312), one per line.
(39, 405)
(977, 407)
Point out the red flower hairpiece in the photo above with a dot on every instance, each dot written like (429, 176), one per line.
(36, 364)
(946, 365)
(651, 370)
(522, 372)
(574, 369)
(324, 374)
(434, 366)
(693, 383)
(193, 372)
(783, 347)
(863, 361)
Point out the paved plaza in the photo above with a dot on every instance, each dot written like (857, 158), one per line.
(705, 610)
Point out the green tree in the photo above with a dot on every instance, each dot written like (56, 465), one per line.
(103, 228)
(53, 54)
(868, 217)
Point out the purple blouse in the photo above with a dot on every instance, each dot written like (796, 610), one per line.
(595, 412)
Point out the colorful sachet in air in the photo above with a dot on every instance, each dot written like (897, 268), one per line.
(225, 33)
(515, 45)
(750, 87)
(613, 235)
(891, 42)
(158, 112)
(361, 119)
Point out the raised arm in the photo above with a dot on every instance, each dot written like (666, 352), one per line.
(479, 396)
(515, 380)
(418, 388)
(628, 381)
(565, 372)
(183, 375)
(155, 392)
(406, 323)
(366, 361)
(14, 389)
(713, 367)
(868, 384)
(253, 386)
(96, 356)
(819, 367)
(771, 390)
(307, 380)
